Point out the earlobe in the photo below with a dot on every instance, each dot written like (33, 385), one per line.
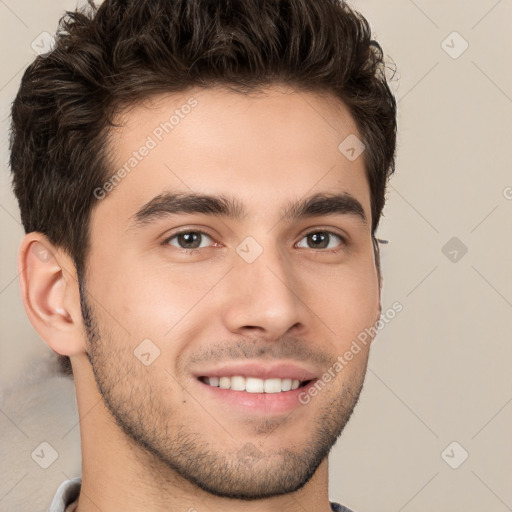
(49, 291)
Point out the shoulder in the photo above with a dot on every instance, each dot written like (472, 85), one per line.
(66, 494)
(336, 507)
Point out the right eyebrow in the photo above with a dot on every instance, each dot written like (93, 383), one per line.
(169, 203)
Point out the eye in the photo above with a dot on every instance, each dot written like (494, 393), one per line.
(322, 239)
(192, 240)
(187, 240)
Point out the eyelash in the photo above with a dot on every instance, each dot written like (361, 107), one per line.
(194, 251)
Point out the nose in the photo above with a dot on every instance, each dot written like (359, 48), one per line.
(264, 295)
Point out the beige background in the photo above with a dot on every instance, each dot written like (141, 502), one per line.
(440, 371)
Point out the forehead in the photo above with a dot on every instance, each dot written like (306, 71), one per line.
(272, 145)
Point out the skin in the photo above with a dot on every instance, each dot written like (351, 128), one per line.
(151, 431)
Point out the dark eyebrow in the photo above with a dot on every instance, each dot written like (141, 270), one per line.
(325, 204)
(169, 203)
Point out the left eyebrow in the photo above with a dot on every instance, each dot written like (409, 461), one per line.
(169, 203)
(325, 204)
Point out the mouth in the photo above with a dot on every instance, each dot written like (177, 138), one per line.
(254, 384)
(255, 388)
(240, 396)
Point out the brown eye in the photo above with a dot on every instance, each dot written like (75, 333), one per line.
(188, 240)
(322, 240)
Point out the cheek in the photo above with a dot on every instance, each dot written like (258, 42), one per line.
(135, 294)
(349, 303)
(166, 308)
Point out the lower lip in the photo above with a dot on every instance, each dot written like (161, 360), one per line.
(267, 403)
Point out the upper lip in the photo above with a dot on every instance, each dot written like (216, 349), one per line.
(267, 370)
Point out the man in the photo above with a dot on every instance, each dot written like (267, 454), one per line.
(201, 184)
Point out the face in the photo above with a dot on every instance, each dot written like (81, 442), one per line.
(259, 283)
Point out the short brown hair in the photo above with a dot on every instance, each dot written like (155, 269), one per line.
(109, 57)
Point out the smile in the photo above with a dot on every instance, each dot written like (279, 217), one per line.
(254, 384)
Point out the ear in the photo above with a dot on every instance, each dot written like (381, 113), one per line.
(49, 290)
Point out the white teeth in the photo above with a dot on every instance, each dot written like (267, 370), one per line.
(238, 383)
(225, 382)
(253, 384)
(286, 384)
(272, 385)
